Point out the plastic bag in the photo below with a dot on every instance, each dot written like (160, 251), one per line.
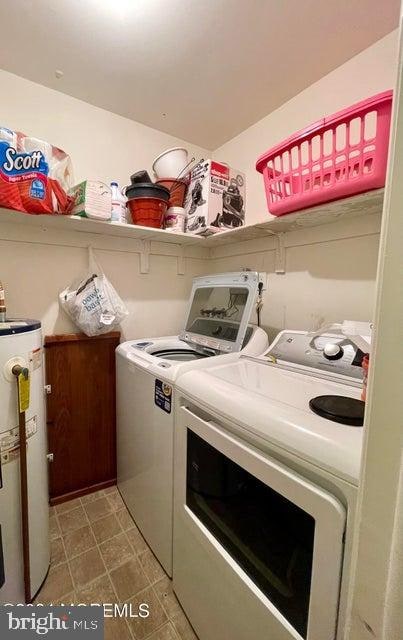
(92, 302)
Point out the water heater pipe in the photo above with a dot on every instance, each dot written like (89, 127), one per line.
(17, 370)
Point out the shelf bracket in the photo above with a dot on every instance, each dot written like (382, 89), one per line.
(181, 262)
(279, 266)
(145, 256)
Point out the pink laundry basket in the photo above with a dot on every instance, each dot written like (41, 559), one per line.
(334, 158)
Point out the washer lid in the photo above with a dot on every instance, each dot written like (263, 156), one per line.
(13, 326)
(219, 310)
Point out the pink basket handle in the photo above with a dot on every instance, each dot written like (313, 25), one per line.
(362, 107)
(300, 136)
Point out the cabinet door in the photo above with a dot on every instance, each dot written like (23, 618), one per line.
(81, 412)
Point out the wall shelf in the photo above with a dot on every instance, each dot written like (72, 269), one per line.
(85, 225)
(360, 205)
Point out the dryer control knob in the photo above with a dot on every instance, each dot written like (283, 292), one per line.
(333, 351)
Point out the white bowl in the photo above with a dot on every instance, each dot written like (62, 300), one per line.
(170, 163)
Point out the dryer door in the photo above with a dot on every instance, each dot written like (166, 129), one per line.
(274, 538)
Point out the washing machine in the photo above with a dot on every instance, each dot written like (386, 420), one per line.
(216, 329)
(266, 470)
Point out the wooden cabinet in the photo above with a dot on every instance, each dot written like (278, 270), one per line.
(81, 413)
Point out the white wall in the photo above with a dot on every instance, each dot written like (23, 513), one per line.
(330, 272)
(34, 270)
(376, 611)
(371, 71)
(103, 146)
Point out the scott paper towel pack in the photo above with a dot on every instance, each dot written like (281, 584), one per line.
(34, 175)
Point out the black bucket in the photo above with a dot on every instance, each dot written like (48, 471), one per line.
(147, 190)
(140, 176)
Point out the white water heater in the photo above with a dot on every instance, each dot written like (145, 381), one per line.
(21, 344)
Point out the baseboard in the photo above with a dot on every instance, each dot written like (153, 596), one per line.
(81, 492)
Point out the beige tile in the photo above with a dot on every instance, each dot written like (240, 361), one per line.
(52, 511)
(56, 584)
(125, 519)
(90, 497)
(78, 541)
(116, 629)
(116, 551)
(70, 598)
(142, 627)
(166, 596)
(57, 554)
(67, 599)
(54, 529)
(136, 540)
(68, 506)
(151, 566)
(128, 579)
(72, 520)
(106, 528)
(183, 627)
(98, 509)
(98, 591)
(167, 632)
(86, 567)
(110, 489)
(115, 500)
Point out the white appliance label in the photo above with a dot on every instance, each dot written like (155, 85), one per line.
(35, 359)
(10, 441)
(163, 395)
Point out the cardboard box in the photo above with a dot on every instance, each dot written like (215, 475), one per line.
(92, 199)
(215, 199)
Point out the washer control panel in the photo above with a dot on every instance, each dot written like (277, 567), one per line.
(327, 352)
(206, 343)
(141, 345)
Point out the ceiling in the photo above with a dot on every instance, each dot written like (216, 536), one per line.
(202, 70)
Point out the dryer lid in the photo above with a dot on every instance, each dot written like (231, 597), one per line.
(219, 310)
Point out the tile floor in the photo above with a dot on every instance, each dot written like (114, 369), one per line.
(98, 555)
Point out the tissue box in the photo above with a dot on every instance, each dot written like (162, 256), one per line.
(215, 199)
(92, 199)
